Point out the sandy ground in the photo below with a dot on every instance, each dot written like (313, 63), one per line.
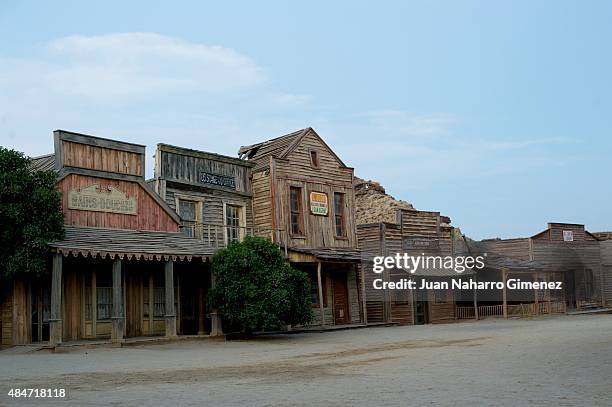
(557, 361)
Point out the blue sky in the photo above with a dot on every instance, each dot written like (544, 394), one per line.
(496, 114)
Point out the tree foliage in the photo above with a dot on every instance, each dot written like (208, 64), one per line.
(30, 216)
(256, 289)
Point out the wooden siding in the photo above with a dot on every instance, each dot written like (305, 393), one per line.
(6, 320)
(151, 216)
(262, 208)
(186, 167)
(606, 261)
(101, 158)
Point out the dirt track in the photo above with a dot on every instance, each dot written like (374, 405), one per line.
(553, 361)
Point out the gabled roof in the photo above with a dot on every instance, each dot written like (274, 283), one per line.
(281, 147)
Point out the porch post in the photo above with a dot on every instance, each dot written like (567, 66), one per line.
(55, 320)
(536, 301)
(201, 309)
(320, 287)
(504, 294)
(476, 301)
(170, 312)
(216, 328)
(361, 275)
(118, 320)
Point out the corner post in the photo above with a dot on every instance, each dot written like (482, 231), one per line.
(476, 300)
(504, 293)
(55, 320)
(118, 320)
(170, 313)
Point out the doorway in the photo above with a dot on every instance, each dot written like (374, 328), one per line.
(421, 308)
(41, 309)
(570, 289)
(341, 300)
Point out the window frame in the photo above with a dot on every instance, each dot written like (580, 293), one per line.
(299, 212)
(241, 219)
(342, 215)
(199, 207)
(315, 158)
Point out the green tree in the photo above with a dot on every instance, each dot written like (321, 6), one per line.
(30, 216)
(256, 289)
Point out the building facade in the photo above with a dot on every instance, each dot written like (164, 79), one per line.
(303, 199)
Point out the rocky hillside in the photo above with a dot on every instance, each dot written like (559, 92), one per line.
(374, 204)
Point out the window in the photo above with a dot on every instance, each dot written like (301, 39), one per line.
(314, 158)
(339, 214)
(104, 296)
(187, 210)
(295, 199)
(232, 223)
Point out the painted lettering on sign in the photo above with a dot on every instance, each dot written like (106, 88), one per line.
(216, 179)
(568, 236)
(97, 199)
(318, 203)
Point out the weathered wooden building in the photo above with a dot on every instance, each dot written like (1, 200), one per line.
(605, 245)
(562, 252)
(123, 269)
(303, 199)
(416, 233)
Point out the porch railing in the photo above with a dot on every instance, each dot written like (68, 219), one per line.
(514, 310)
(218, 236)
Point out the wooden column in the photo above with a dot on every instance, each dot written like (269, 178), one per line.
(170, 312)
(201, 309)
(476, 300)
(320, 287)
(216, 328)
(536, 301)
(55, 317)
(361, 273)
(118, 320)
(504, 293)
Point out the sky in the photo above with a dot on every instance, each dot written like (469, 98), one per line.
(497, 114)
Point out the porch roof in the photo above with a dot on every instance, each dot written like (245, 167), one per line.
(335, 254)
(130, 244)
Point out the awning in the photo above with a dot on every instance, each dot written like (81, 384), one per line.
(337, 254)
(130, 244)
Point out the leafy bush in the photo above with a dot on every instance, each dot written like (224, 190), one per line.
(256, 289)
(30, 216)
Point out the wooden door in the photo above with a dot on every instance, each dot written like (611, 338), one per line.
(570, 289)
(341, 300)
(133, 304)
(188, 304)
(421, 307)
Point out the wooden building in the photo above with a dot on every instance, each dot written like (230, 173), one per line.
(605, 246)
(210, 192)
(303, 199)
(123, 269)
(416, 233)
(562, 252)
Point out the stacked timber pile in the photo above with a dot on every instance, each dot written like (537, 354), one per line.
(374, 205)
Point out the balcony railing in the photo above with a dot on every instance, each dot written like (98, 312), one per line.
(218, 236)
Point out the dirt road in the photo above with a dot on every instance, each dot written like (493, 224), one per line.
(546, 361)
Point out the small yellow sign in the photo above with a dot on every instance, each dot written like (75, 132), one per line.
(318, 203)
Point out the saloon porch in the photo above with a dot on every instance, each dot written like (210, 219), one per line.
(116, 284)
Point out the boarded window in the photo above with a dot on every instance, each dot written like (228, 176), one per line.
(339, 214)
(295, 199)
(232, 222)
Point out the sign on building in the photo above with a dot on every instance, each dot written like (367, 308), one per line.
(318, 203)
(568, 236)
(97, 199)
(217, 179)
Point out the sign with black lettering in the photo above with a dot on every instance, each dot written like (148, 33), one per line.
(217, 179)
(101, 199)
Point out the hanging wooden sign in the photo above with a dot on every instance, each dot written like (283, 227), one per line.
(97, 199)
(318, 203)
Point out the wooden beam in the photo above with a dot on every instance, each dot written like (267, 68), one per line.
(170, 313)
(55, 317)
(117, 318)
(320, 287)
(476, 300)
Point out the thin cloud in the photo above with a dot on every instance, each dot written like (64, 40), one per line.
(126, 65)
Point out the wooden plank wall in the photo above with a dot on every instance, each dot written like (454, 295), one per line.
(514, 248)
(186, 167)
(370, 243)
(262, 207)
(606, 262)
(151, 216)
(100, 158)
(20, 326)
(6, 319)
(72, 304)
(297, 170)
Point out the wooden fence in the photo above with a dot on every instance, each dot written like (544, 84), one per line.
(514, 310)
